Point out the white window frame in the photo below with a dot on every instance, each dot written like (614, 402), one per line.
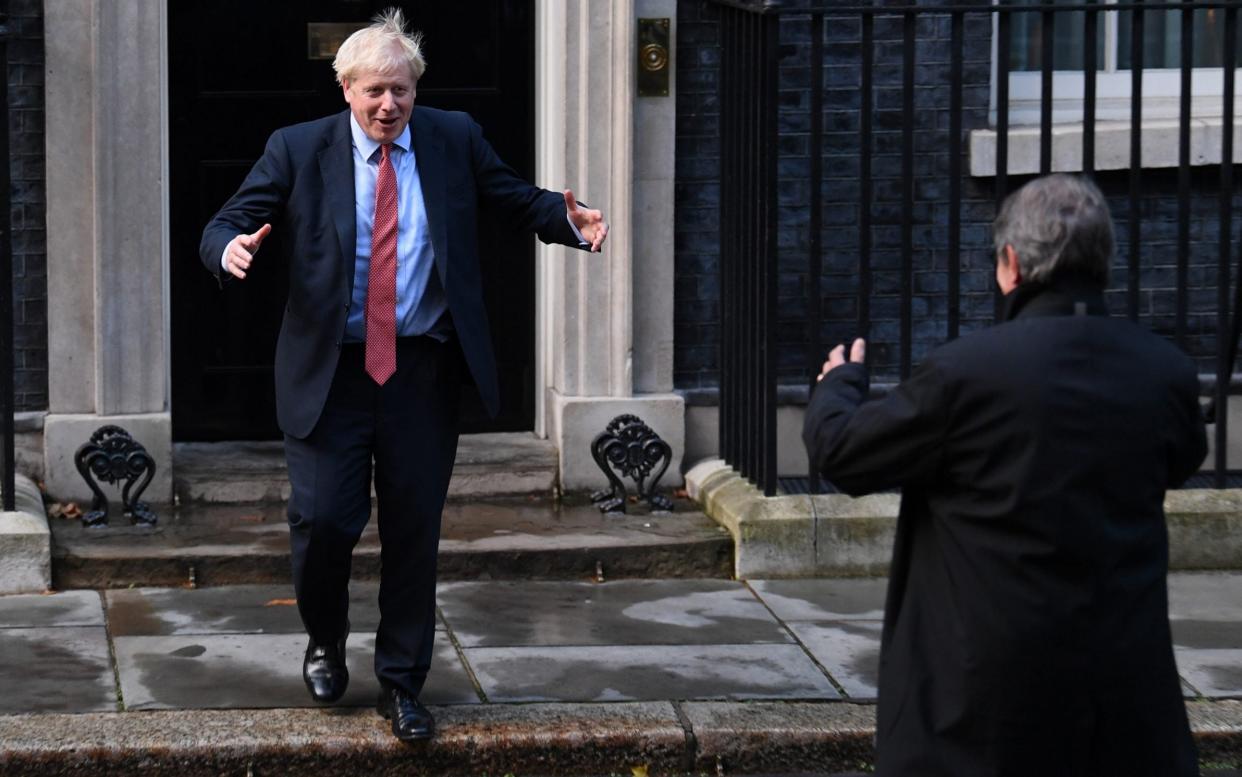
(1161, 113)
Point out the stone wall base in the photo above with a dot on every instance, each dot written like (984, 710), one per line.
(834, 535)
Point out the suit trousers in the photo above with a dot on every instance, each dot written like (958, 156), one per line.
(407, 430)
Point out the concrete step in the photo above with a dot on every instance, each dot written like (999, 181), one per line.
(516, 538)
(540, 739)
(488, 465)
(756, 738)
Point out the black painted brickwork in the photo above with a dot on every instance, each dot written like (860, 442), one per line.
(698, 193)
(29, 209)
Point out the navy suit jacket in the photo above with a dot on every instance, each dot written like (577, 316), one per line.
(304, 186)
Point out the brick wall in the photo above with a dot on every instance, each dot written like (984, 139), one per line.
(698, 194)
(696, 334)
(28, 209)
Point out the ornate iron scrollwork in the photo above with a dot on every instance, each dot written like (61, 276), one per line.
(634, 450)
(113, 455)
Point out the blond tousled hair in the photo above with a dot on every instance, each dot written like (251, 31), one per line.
(382, 47)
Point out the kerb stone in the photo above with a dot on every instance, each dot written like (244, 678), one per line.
(1205, 528)
(25, 542)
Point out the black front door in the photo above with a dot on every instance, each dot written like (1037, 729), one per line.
(238, 70)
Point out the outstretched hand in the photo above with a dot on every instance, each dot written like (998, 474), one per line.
(240, 251)
(836, 357)
(589, 222)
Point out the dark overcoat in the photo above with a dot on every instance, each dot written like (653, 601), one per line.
(304, 186)
(1026, 626)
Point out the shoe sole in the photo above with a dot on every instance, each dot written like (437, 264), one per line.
(325, 699)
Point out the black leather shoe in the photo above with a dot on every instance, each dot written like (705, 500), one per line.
(411, 721)
(324, 669)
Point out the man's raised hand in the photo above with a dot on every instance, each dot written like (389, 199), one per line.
(240, 251)
(836, 357)
(589, 222)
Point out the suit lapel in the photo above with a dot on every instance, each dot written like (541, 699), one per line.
(336, 164)
(429, 154)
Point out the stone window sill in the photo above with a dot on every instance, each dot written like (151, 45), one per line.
(1112, 146)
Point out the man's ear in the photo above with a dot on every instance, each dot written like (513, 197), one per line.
(1008, 270)
(1015, 266)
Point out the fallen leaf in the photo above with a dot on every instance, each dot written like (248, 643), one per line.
(281, 603)
(639, 771)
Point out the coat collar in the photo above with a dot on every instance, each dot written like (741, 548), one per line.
(1062, 297)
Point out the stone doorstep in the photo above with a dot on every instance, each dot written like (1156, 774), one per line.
(25, 542)
(689, 559)
(498, 464)
(834, 535)
(546, 739)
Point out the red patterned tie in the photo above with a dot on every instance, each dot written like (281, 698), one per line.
(382, 280)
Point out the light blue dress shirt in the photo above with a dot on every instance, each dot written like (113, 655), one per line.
(419, 305)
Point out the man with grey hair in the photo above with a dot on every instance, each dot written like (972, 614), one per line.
(1026, 627)
(377, 209)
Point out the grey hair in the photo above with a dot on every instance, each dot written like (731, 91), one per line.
(1057, 225)
(382, 47)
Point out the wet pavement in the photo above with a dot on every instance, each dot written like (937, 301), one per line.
(506, 641)
(671, 676)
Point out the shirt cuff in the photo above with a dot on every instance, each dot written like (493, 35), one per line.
(582, 241)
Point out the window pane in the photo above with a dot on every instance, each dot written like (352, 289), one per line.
(1210, 34)
(1162, 39)
(1026, 44)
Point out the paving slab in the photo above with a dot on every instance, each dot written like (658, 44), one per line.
(241, 609)
(1205, 596)
(64, 669)
(848, 650)
(66, 608)
(824, 599)
(1207, 634)
(1214, 673)
(647, 672)
(207, 671)
(630, 612)
(780, 737)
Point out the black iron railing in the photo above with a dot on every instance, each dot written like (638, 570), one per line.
(753, 45)
(6, 279)
(748, 231)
